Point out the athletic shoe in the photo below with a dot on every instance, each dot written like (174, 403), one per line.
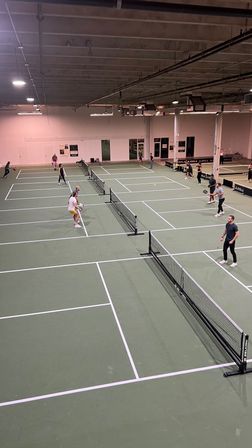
(211, 202)
(223, 262)
(77, 226)
(217, 215)
(233, 265)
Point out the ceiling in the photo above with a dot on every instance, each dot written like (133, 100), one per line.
(125, 52)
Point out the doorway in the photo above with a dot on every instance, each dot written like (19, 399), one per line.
(190, 146)
(105, 147)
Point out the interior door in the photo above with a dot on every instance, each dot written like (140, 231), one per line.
(105, 147)
(190, 146)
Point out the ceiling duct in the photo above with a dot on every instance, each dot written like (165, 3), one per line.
(149, 110)
(248, 98)
(195, 104)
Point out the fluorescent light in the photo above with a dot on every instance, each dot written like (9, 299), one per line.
(175, 102)
(250, 90)
(30, 99)
(18, 83)
(29, 113)
(103, 114)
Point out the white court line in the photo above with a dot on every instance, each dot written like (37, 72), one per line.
(229, 273)
(40, 189)
(207, 250)
(8, 193)
(156, 213)
(144, 168)
(49, 197)
(126, 172)
(104, 170)
(47, 177)
(126, 188)
(179, 183)
(150, 183)
(18, 174)
(117, 384)
(45, 208)
(190, 210)
(61, 310)
(118, 324)
(111, 234)
(40, 183)
(34, 222)
(117, 260)
(82, 222)
(239, 211)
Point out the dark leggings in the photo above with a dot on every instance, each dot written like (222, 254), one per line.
(226, 245)
(220, 209)
(199, 177)
(61, 176)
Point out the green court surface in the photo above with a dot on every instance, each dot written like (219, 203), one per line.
(98, 350)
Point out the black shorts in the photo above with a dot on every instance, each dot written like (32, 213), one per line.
(212, 189)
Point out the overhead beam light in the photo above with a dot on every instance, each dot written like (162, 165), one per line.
(29, 99)
(29, 113)
(175, 102)
(18, 82)
(103, 114)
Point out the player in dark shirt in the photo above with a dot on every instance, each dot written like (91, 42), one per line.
(61, 174)
(230, 234)
(211, 186)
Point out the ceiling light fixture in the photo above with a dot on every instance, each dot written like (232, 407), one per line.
(175, 102)
(18, 82)
(29, 99)
(29, 113)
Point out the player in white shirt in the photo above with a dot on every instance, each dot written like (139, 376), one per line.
(73, 209)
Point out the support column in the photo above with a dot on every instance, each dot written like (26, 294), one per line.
(250, 141)
(176, 137)
(217, 145)
(147, 138)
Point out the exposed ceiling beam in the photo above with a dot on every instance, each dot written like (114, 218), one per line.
(158, 6)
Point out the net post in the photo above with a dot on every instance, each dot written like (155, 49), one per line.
(149, 242)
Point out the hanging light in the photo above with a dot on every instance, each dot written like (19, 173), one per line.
(18, 82)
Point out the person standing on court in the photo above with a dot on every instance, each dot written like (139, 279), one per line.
(54, 161)
(151, 161)
(220, 193)
(199, 172)
(221, 158)
(61, 174)
(230, 234)
(140, 155)
(73, 209)
(211, 186)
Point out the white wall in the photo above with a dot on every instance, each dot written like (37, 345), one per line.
(33, 139)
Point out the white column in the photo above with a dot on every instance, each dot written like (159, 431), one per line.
(250, 141)
(217, 145)
(176, 137)
(147, 150)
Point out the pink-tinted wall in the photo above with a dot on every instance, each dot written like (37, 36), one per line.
(33, 139)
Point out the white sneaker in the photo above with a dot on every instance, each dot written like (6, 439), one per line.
(217, 216)
(233, 265)
(77, 226)
(223, 262)
(222, 213)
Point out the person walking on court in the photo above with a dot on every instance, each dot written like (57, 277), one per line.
(230, 234)
(220, 193)
(54, 161)
(211, 186)
(151, 161)
(140, 156)
(188, 170)
(199, 172)
(73, 209)
(250, 172)
(61, 174)
(6, 170)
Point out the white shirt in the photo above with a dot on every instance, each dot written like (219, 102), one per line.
(72, 203)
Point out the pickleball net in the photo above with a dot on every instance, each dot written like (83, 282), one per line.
(231, 337)
(124, 212)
